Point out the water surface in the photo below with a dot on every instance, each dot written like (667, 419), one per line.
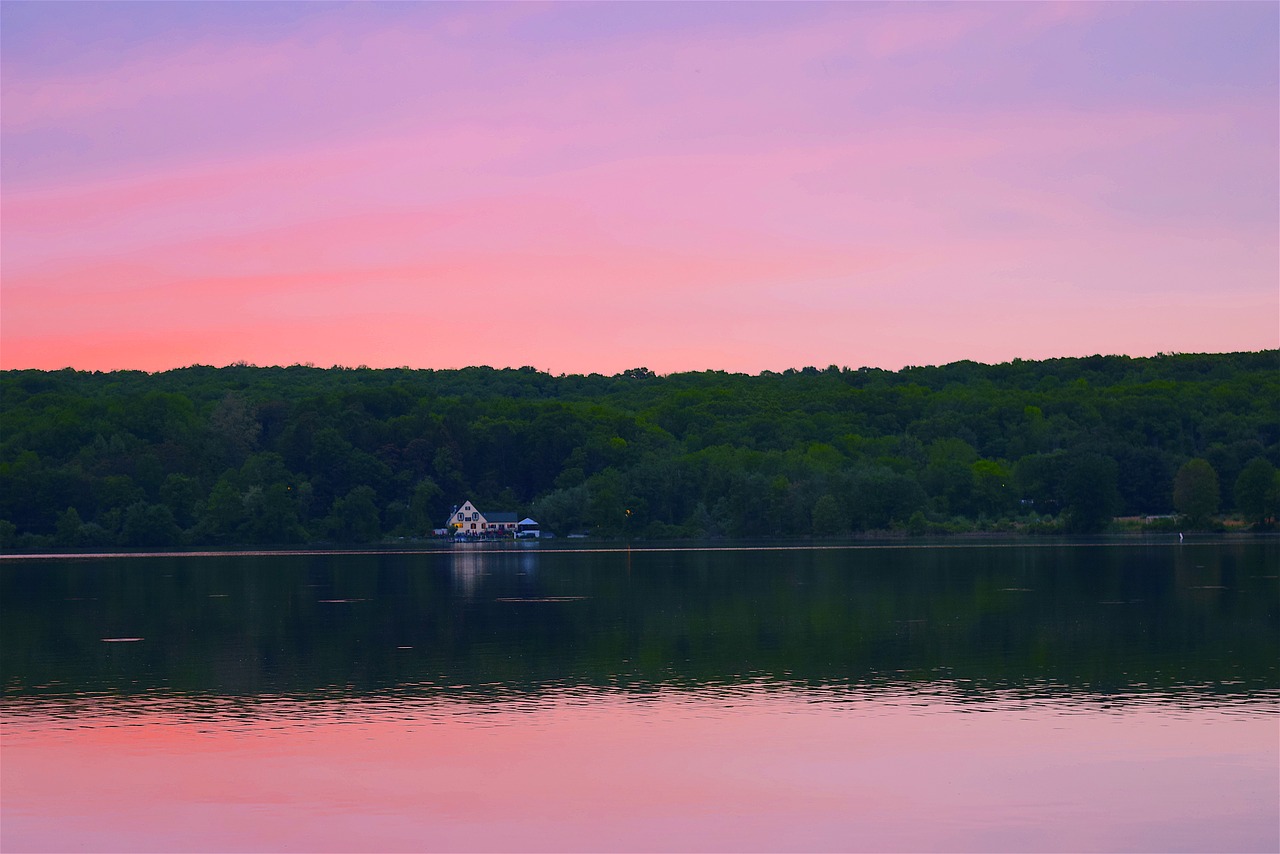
(1100, 697)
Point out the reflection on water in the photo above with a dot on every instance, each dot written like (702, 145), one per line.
(747, 768)
(1001, 698)
(1096, 620)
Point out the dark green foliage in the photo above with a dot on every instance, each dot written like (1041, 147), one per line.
(67, 532)
(828, 517)
(1089, 492)
(1257, 491)
(1195, 491)
(354, 518)
(150, 525)
(245, 455)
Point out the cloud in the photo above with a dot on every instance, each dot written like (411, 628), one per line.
(836, 186)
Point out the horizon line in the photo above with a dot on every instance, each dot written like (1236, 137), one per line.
(642, 369)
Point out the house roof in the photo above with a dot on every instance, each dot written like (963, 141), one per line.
(500, 516)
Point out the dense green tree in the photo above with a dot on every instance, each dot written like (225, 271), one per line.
(181, 493)
(1090, 493)
(828, 517)
(116, 491)
(223, 513)
(149, 525)
(8, 535)
(1257, 491)
(271, 515)
(354, 517)
(991, 494)
(424, 502)
(67, 532)
(1037, 479)
(563, 510)
(1146, 478)
(949, 477)
(1195, 492)
(234, 428)
(880, 498)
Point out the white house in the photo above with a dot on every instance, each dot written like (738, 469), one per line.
(469, 521)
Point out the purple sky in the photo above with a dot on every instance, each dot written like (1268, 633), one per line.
(592, 187)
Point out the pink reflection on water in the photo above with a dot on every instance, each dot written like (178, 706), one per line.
(743, 770)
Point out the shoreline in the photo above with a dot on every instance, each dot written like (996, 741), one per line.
(606, 545)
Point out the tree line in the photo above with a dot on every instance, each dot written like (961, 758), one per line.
(241, 455)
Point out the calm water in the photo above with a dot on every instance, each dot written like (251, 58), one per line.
(1100, 697)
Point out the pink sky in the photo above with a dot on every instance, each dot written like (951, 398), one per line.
(593, 187)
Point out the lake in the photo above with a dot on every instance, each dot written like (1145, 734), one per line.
(989, 697)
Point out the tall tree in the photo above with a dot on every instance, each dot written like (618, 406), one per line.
(828, 518)
(1089, 492)
(1195, 491)
(1257, 491)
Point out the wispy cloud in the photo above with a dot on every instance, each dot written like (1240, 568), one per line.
(820, 184)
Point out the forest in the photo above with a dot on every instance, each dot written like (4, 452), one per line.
(246, 455)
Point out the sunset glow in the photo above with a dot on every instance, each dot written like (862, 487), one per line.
(593, 187)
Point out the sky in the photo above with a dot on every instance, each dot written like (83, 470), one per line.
(591, 187)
